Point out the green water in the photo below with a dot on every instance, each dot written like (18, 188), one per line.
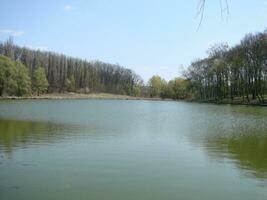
(136, 150)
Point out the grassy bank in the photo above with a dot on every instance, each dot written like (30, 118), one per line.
(235, 101)
(79, 96)
(62, 96)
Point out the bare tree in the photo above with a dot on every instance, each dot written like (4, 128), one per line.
(201, 8)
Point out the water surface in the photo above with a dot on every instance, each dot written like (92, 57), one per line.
(115, 149)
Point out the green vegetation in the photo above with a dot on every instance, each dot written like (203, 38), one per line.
(40, 82)
(7, 73)
(23, 80)
(233, 75)
(65, 73)
(177, 88)
(70, 84)
(14, 78)
(156, 86)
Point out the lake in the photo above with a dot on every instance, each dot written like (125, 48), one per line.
(136, 150)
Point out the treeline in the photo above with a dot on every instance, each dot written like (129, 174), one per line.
(15, 79)
(64, 73)
(233, 73)
(174, 89)
(227, 74)
(237, 74)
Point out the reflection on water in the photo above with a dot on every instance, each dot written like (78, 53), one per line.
(249, 152)
(81, 149)
(236, 133)
(21, 134)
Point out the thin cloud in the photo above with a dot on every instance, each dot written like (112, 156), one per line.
(68, 7)
(11, 32)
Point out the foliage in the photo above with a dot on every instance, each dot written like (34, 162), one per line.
(14, 78)
(137, 91)
(156, 85)
(70, 84)
(40, 82)
(238, 72)
(177, 88)
(23, 80)
(7, 76)
(227, 73)
(93, 76)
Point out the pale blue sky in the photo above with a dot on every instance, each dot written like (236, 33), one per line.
(148, 36)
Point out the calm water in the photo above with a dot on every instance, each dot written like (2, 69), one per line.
(136, 150)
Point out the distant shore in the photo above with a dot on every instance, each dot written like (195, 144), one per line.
(108, 96)
(71, 95)
(232, 102)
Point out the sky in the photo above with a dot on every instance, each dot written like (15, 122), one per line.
(151, 37)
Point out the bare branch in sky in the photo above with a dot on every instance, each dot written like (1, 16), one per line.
(201, 8)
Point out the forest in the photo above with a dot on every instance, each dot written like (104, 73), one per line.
(60, 73)
(230, 74)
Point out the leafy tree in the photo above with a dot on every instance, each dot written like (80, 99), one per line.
(237, 73)
(70, 84)
(177, 88)
(14, 78)
(23, 80)
(8, 83)
(156, 84)
(137, 91)
(11, 85)
(40, 83)
(180, 88)
(89, 76)
(168, 91)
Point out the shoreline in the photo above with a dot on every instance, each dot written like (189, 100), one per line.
(109, 96)
(229, 102)
(66, 96)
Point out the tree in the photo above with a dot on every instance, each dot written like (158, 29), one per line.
(89, 76)
(237, 73)
(14, 78)
(137, 91)
(8, 83)
(156, 84)
(23, 80)
(40, 83)
(70, 84)
(201, 7)
(180, 88)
